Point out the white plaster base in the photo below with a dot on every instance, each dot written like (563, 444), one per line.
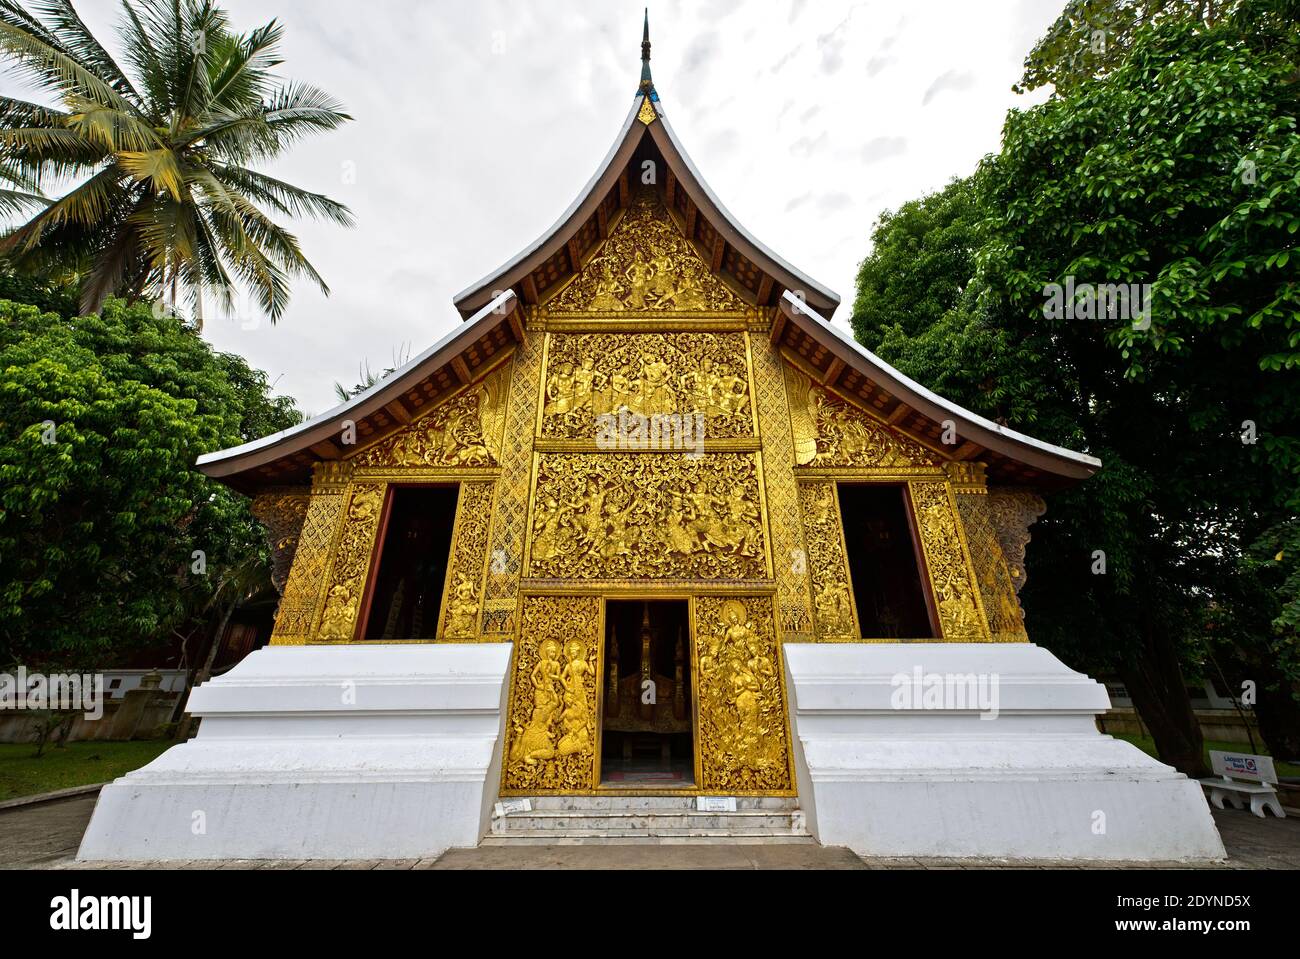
(1037, 782)
(322, 752)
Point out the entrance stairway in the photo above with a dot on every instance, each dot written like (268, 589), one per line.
(651, 820)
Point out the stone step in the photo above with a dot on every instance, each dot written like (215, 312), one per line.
(726, 839)
(675, 820)
(567, 803)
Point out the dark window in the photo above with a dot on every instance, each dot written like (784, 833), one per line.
(887, 586)
(406, 597)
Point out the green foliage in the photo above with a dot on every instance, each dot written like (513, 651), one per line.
(167, 200)
(101, 509)
(1135, 171)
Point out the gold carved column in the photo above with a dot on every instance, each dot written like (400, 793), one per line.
(790, 559)
(282, 512)
(834, 609)
(996, 584)
(510, 521)
(953, 582)
(552, 736)
(459, 619)
(304, 589)
(744, 742)
(353, 552)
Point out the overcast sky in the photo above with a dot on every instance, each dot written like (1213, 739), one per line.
(476, 124)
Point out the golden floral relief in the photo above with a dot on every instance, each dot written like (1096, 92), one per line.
(744, 740)
(823, 532)
(646, 264)
(647, 374)
(352, 556)
(463, 431)
(956, 594)
(551, 735)
(830, 431)
(647, 516)
(460, 617)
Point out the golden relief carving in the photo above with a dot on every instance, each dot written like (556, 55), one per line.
(646, 265)
(1012, 512)
(460, 616)
(283, 514)
(305, 584)
(510, 522)
(823, 532)
(789, 555)
(650, 374)
(997, 590)
(647, 516)
(347, 578)
(744, 742)
(463, 431)
(829, 431)
(647, 112)
(551, 734)
(956, 594)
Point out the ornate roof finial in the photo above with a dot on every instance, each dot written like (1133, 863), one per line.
(647, 84)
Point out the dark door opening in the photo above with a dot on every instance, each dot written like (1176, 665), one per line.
(414, 547)
(646, 721)
(888, 591)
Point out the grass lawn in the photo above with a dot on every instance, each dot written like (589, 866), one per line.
(76, 764)
(1148, 746)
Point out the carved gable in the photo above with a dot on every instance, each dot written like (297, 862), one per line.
(829, 431)
(647, 265)
(464, 431)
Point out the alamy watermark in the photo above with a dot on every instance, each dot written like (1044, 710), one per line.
(626, 430)
(1098, 301)
(69, 692)
(957, 691)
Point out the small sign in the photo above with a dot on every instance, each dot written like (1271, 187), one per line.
(1243, 766)
(506, 806)
(715, 803)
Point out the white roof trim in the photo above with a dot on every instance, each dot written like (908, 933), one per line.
(564, 217)
(389, 384)
(929, 396)
(804, 278)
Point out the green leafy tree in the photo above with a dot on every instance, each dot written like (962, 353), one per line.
(1136, 175)
(108, 535)
(169, 202)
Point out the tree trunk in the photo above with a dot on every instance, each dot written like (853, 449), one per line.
(205, 672)
(1155, 684)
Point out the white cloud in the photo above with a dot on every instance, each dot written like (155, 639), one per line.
(477, 124)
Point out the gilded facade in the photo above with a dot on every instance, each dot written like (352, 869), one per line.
(646, 437)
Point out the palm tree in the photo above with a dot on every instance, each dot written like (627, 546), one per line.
(165, 201)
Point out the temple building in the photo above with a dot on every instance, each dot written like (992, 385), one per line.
(648, 524)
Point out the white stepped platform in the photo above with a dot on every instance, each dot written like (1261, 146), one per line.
(657, 820)
(1037, 781)
(322, 752)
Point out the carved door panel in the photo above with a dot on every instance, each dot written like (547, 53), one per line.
(552, 731)
(743, 740)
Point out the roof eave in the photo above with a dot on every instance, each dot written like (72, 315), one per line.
(1057, 461)
(226, 463)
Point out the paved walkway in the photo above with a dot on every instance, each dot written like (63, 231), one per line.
(46, 836)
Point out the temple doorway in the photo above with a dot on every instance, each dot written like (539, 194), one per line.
(647, 718)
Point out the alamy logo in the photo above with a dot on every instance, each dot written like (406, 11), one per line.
(1100, 301)
(626, 430)
(56, 691)
(75, 912)
(956, 691)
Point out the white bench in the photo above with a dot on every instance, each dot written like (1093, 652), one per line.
(1241, 777)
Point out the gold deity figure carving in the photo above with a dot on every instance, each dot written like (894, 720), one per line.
(626, 514)
(462, 609)
(742, 664)
(537, 740)
(574, 721)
